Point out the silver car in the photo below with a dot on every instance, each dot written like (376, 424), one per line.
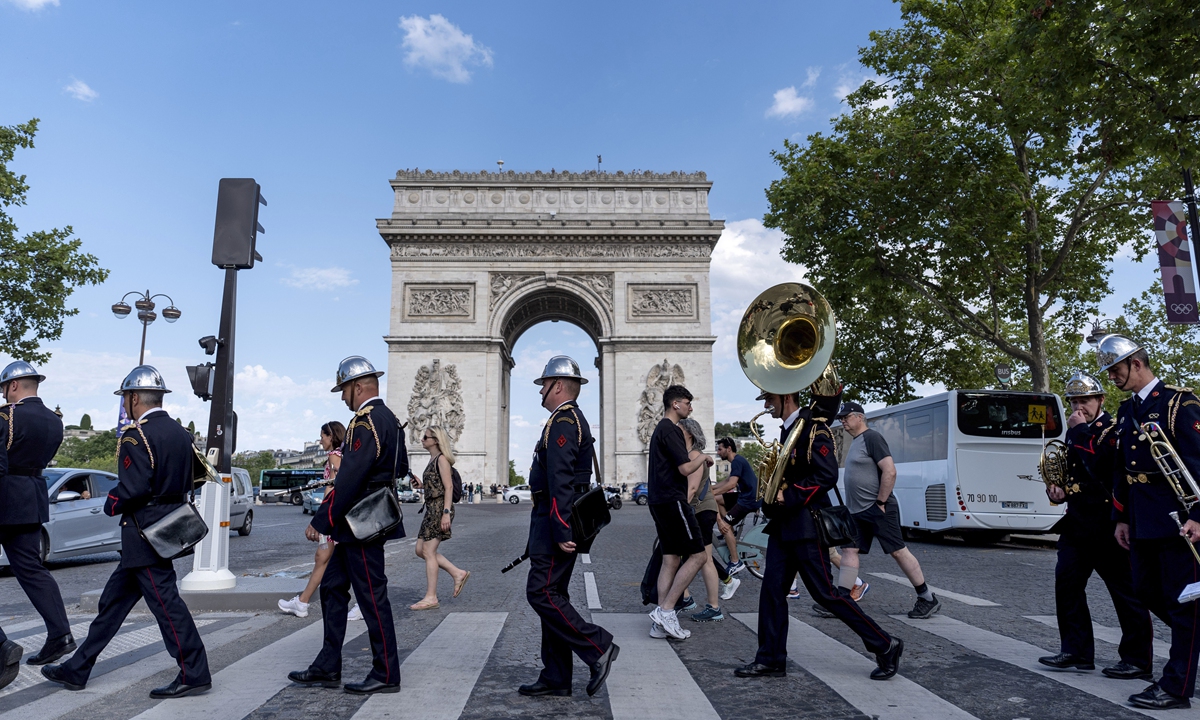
(78, 525)
(241, 501)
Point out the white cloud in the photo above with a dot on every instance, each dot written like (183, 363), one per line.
(813, 74)
(327, 278)
(850, 83)
(439, 46)
(79, 90)
(789, 104)
(33, 5)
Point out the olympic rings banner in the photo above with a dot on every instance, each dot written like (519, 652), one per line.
(1175, 259)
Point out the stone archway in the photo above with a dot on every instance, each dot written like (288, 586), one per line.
(479, 258)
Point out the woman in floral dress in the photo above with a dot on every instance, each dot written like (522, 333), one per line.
(438, 485)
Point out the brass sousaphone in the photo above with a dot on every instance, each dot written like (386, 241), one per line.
(784, 343)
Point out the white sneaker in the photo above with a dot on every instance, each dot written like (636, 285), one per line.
(670, 623)
(294, 607)
(729, 588)
(657, 632)
(355, 613)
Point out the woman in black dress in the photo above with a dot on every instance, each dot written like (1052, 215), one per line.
(438, 485)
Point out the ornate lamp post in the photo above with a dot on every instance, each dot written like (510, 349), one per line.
(145, 313)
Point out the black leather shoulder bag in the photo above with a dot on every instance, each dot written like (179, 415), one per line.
(834, 525)
(177, 532)
(589, 513)
(377, 514)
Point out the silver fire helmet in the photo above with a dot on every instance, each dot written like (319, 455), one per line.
(561, 366)
(143, 377)
(1081, 385)
(1112, 349)
(20, 369)
(353, 368)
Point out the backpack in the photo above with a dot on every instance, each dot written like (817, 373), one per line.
(458, 486)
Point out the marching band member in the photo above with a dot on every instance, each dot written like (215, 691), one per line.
(1086, 542)
(1142, 503)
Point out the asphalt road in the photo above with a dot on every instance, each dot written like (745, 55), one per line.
(999, 587)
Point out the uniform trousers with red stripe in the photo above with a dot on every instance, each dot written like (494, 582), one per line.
(563, 630)
(786, 558)
(156, 585)
(359, 567)
(1161, 569)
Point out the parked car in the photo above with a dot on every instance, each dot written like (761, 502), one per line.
(640, 494)
(410, 496)
(78, 525)
(313, 500)
(241, 502)
(517, 493)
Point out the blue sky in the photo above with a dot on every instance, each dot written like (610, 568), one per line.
(145, 105)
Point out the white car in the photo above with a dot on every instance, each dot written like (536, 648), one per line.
(517, 493)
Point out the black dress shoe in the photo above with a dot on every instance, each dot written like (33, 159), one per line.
(54, 673)
(1127, 671)
(371, 687)
(53, 650)
(888, 661)
(10, 661)
(1155, 698)
(313, 677)
(1067, 661)
(601, 668)
(541, 689)
(177, 690)
(759, 670)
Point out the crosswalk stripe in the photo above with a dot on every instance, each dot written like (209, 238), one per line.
(593, 594)
(1109, 635)
(240, 688)
(30, 675)
(846, 673)
(648, 680)
(940, 592)
(438, 677)
(21, 627)
(62, 702)
(1024, 655)
(586, 558)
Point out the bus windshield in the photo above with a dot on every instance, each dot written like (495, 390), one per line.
(1001, 415)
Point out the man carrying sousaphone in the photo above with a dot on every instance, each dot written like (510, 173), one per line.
(786, 340)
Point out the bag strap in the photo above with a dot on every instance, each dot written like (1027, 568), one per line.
(596, 465)
(839, 494)
(396, 459)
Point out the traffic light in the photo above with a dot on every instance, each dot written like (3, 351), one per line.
(202, 377)
(237, 223)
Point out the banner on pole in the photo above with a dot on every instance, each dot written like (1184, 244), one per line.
(1175, 259)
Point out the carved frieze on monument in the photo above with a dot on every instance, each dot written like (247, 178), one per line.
(501, 283)
(600, 283)
(650, 407)
(662, 302)
(439, 302)
(436, 400)
(549, 250)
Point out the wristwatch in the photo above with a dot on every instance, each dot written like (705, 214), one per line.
(445, 511)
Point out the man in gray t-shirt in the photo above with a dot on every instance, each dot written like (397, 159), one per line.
(870, 478)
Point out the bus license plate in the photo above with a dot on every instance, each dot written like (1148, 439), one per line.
(1014, 505)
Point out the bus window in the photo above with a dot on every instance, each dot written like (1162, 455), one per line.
(941, 428)
(918, 436)
(891, 428)
(1004, 415)
(841, 443)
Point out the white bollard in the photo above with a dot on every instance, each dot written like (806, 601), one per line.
(210, 565)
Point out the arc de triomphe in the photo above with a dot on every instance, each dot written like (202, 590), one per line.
(478, 258)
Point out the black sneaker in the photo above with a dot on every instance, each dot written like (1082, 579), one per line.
(925, 609)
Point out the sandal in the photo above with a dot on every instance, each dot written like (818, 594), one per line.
(458, 586)
(424, 605)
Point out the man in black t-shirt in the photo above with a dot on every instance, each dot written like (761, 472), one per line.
(678, 531)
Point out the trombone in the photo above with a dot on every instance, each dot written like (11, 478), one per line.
(1176, 473)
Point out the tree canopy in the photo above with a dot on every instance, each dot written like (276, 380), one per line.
(99, 452)
(39, 271)
(967, 206)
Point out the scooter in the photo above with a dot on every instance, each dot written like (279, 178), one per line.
(613, 496)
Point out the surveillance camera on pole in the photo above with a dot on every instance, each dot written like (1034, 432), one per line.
(234, 238)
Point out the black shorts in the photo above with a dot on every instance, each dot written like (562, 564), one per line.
(876, 523)
(738, 511)
(707, 520)
(678, 531)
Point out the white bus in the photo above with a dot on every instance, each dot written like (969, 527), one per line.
(966, 461)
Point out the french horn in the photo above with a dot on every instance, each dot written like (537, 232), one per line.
(785, 343)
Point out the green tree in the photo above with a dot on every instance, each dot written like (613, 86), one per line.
(970, 201)
(39, 271)
(513, 477)
(737, 429)
(254, 462)
(99, 452)
(85, 422)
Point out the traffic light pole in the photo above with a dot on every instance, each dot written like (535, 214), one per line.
(221, 428)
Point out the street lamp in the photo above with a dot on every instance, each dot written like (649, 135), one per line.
(145, 313)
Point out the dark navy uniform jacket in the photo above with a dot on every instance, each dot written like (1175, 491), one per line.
(810, 472)
(1141, 495)
(154, 460)
(373, 456)
(562, 464)
(30, 434)
(1091, 458)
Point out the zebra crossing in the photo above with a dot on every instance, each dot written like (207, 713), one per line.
(651, 679)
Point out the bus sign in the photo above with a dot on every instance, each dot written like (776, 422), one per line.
(1037, 414)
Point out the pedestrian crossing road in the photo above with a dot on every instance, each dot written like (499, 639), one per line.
(975, 659)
